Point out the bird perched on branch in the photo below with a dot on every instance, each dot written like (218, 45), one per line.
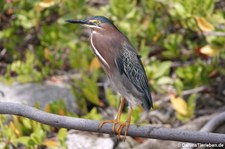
(122, 65)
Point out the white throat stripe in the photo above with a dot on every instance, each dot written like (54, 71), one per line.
(97, 53)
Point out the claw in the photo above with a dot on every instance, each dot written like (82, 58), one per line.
(120, 128)
(116, 121)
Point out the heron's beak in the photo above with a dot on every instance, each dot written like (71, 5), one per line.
(86, 23)
(77, 21)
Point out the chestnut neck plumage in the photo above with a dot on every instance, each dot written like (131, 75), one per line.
(110, 49)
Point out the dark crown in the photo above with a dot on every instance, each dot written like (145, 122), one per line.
(102, 19)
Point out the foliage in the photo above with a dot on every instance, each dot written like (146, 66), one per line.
(27, 71)
(184, 110)
(31, 134)
(181, 43)
(86, 90)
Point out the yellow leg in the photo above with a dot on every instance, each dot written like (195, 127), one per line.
(126, 124)
(117, 119)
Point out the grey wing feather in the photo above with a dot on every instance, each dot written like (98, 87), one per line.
(129, 63)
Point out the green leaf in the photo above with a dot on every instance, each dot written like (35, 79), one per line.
(91, 96)
(90, 90)
(162, 69)
(112, 99)
(164, 80)
(93, 114)
(31, 142)
(38, 136)
(62, 133)
(178, 10)
(23, 140)
(192, 104)
(178, 84)
(27, 123)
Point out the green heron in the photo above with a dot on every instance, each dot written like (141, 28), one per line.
(122, 65)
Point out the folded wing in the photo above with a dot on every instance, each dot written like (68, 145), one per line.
(129, 63)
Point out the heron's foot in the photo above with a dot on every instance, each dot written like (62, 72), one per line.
(120, 127)
(114, 123)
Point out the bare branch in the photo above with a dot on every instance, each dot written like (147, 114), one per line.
(214, 33)
(186, 92)
(92, 126)
(214, 123)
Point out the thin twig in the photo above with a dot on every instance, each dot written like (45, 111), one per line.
(214, 33)
(186, 92)
(92, 126)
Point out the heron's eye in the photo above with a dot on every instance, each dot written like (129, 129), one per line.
(97, 22)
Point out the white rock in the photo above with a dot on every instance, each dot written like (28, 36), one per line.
(32, 93)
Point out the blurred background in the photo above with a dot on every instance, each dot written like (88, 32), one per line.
(47, 63)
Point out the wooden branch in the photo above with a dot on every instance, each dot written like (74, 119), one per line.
(214, 123)
(92, 126)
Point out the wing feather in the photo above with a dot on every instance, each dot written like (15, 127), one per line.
(129, 63)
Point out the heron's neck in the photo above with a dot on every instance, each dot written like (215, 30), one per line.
(95, 50)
